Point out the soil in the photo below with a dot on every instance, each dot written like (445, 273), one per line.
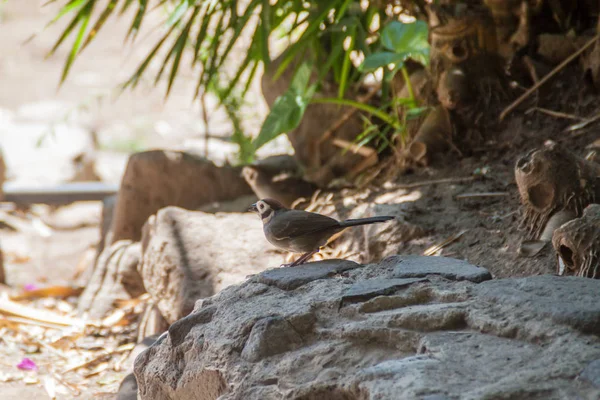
(489, 225)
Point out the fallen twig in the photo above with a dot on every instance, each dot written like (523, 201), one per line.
(364, 151)
(556, 114)
(582, 124)
(483, 194)
(436, 182)
(50, 291)
(434, 249)
(11, 308)
(546, 78)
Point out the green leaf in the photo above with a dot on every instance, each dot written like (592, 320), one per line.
(346, 64)
(84, 18)
(205, 18)
(265, 23)
(288, 109)
(176, 15)
(410, 40)
(238, 28)
(70, 6)
(134, 79)
(416, 112)
(340, 12)
(378, 60)
(100, 22)
(125, 7)
(179, 47)
(250, 55)
(139, 17)
(361, 106)
(301, 44)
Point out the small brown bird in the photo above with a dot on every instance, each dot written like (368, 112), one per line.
(301, 231)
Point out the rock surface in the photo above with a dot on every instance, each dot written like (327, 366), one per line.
(402, 338)
(157, 179)
(115, 277)
(449, 268)
(190, 255)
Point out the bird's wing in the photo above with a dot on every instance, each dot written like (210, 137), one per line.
(295, 223)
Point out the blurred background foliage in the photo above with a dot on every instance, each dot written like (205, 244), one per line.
(340, 42)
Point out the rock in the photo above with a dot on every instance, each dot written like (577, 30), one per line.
(190, 255)
(449, 268)
(577, 245)
(375, 287)
(115, 277)
(152, 322)
(238, 205)
(157, 179)
(552, 179)
(437, 338)
(293, 277)
(569, 303)
(128, 388)
(591, 373)
(108, 209)
(271, 336)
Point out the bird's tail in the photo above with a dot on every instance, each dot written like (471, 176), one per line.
(364, 221)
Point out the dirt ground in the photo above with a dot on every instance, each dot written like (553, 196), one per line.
(489, 225)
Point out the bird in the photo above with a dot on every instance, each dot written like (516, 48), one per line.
(278, 186)
(299, 231)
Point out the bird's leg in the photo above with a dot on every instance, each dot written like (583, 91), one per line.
(302, 259)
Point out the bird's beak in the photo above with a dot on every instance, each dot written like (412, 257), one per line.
(253, 208)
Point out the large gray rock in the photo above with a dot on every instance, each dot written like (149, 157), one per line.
(189, 255)
(449, 268)
(399, 338)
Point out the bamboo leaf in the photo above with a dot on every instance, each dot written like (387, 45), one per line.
(69, 7)
(205, 18)
(239, 27)
(300, 45)
(134, 79)
(176, 15)
(179, 47)
(250, 79)
(100, 22)
(139, 17)
(250, 55)
(86, 13)
(210, 72)
(265, 23)
(74, 22)
(126, 6)
(342, 11)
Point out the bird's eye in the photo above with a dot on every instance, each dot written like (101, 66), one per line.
(261, 206)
